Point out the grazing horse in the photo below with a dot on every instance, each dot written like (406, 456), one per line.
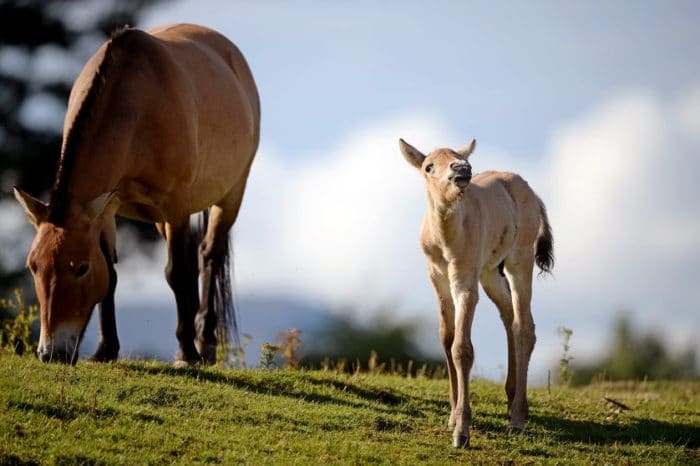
(160, 125)
(492, 229)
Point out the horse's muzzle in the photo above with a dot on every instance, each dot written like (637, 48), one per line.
(67, 354)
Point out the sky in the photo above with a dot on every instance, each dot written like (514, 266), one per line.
(596, 104)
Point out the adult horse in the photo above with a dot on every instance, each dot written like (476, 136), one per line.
(160, 125)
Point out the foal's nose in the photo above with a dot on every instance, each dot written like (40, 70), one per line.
(458, 164)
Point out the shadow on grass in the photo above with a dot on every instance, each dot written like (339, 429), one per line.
(62, 412)
(639, 431)
(282, 387)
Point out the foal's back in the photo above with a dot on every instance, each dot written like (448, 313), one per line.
(510, 209)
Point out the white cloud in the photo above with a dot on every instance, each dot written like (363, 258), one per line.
(339, 227)
(623, 201)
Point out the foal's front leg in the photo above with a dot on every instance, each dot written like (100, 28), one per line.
(441, 284)
(465, 296)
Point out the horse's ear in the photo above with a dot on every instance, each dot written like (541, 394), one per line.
(104, 203)
(411, 154)
(465, 151)
(35, 210)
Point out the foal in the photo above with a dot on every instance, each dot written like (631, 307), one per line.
(489, 229)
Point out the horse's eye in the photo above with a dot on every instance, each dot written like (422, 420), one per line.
(81, 270)
(429, 168)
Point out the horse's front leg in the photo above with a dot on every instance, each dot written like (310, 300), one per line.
(108, 343)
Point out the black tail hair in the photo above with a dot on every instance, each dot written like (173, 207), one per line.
(544, 249)
(221, 290)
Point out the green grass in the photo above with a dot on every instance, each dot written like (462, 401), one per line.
(142, 413)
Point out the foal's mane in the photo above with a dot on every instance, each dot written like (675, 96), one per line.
(59, 194)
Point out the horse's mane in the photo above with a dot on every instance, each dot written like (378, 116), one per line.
(58, 201)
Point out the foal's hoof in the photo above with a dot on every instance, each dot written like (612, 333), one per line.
(460, 441)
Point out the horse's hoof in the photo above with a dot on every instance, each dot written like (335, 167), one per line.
(207, 351)
(104, 354)
(185, 359)
(460, 441)
(181, 364)
(516, 429)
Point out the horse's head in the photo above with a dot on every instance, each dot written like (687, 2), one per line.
(70, 273)
(447, 172)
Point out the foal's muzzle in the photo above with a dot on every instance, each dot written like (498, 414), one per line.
(461, 174)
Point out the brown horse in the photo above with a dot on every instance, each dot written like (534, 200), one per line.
(490, 229)
(160, 124)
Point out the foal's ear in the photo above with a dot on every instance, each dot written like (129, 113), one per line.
(35, 210)
(104, 203)
(465, 151)
(411, 154)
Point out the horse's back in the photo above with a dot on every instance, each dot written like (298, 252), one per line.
(177, 120)
(224, 103)
(211, 49)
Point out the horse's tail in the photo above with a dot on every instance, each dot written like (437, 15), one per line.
(544, 247)
(221, 290)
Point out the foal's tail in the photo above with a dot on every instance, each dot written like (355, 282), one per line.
(221, 290)
(544, 247)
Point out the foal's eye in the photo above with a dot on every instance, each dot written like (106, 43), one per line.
(81, 270)
(429, 168)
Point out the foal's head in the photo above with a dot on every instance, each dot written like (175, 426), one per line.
(447, 172)
(70, 273)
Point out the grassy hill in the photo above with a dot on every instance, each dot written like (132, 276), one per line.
(141, 413)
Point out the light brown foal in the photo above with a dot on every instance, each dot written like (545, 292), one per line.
(491, 229)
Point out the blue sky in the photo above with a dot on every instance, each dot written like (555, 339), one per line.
(507, 72)
(597, 104)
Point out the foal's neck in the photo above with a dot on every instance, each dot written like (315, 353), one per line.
(447, 219)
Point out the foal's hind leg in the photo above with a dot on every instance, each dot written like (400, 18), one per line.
(212, 257)
(497, 289)
(519, 272)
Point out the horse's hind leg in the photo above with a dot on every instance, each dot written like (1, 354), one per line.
(519, 273)
(497, 289)
(213, 263)
(181, 273)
